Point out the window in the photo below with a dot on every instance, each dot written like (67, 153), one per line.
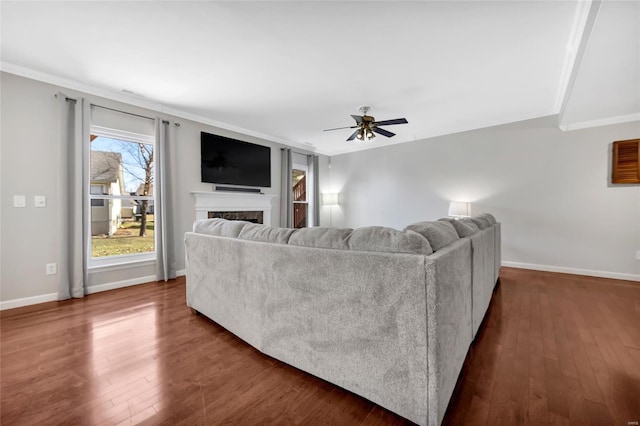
(97, 190)
(300, 200)
(121, 177)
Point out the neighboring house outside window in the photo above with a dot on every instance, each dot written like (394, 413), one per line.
(106, 179)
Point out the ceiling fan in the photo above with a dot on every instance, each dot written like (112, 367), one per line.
(366, 126)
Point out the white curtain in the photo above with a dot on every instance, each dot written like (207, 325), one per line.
(286, 189)
(72, 187)
(314, 171)
(164, 192)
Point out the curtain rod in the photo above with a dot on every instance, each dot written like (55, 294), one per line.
(68, 99)
(310, 153)
(135, 115)
(123, 112)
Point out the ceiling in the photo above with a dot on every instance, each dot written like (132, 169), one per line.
(284, 71)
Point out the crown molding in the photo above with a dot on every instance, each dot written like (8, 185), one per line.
(237, 129)
(80, 87)
(142, 103)
(619, 119)
(581, 30)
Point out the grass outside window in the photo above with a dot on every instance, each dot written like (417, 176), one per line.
(125, 240)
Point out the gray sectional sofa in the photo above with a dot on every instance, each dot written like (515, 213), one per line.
(386, 314)
(485, 235)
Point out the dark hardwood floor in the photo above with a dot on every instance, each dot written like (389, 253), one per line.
(553, 349)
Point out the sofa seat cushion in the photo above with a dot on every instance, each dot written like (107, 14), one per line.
(439, 233)
(267, 234)
(219, 227)
(462, 228)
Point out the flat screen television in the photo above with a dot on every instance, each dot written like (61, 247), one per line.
(230, 161)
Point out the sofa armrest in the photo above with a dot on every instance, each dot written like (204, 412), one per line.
(449, 321)
(482, 276)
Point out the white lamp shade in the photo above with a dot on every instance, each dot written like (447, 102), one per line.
(330, 199)
(459, 208)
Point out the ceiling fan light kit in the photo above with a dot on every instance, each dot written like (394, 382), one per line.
(367, 125)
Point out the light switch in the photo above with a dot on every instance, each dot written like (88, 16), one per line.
(40, 201)
(19, 201)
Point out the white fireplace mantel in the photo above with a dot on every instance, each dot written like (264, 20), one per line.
(219, 201)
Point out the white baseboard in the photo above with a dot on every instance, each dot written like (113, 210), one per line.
(120, 284)
(26, 301)
(576, 271)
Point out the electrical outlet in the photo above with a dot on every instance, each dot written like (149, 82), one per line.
(52, 268)
(637, 254)
(40, 201)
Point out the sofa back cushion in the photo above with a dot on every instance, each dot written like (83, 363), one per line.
(267, 234)
(368, 238)
(382, 239)
(331, 238)
(470, 223)
(464, 229)
(489, 217)
(219, 227)
(481, 222)
(439, 233)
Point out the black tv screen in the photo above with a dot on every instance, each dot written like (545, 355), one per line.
(234, 162)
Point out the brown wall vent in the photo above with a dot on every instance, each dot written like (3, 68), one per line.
(626, 162)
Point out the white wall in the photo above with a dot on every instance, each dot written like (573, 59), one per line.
(29, 147)
(550, 189)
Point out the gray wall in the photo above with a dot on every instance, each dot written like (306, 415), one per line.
(29, 139)
(550, 189)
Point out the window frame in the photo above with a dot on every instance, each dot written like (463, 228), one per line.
(94, 263)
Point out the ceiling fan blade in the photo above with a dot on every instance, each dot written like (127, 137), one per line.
(383, 132)
(390, 122)
(339, 128)
(353, 135)
(358, 118)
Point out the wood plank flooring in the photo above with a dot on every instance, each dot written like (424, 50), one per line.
(553, 349)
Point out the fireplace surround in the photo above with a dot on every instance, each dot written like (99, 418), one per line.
(234, 206)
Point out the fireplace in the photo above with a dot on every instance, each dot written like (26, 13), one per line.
(235, 206)
(248, 216)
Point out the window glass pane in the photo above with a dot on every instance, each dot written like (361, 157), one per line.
(116, 225)
(121, 167)
(97, 190)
